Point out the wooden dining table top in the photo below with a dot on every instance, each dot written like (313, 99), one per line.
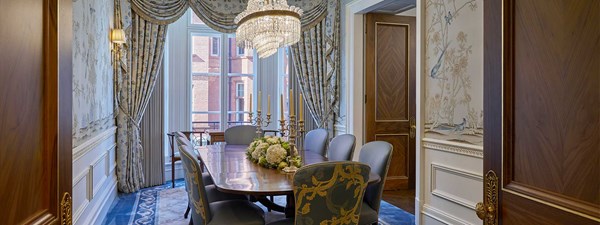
(232, 172)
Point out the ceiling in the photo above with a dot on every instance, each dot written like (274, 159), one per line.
(394, 6)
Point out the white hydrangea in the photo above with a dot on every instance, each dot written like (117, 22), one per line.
(275, 154)
(260, 150)
(273, 140)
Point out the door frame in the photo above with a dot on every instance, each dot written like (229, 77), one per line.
(353, 71)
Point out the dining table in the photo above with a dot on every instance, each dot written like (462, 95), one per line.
(232, 172)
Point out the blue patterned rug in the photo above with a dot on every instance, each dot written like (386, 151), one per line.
(166, 205)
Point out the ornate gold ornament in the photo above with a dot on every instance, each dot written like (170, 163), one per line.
(65, 209)
(488, 210)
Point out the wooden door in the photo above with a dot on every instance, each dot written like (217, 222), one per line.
(35, 111)
(542, 107)
(390, 92)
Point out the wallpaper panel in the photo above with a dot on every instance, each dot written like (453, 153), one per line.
(454, 69)
(92, 69)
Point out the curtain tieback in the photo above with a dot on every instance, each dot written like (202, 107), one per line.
(133, 121)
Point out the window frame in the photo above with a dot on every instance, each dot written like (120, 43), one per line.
(203, 30)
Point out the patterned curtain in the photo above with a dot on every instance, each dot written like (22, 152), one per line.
(218, 14)
(316, 61)
(134, 85)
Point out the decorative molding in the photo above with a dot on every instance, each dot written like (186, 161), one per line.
(441, 216)
(453, 147)
(107, 166)
(91, 169)
(92, 143)
(80, 210)
(447, 196)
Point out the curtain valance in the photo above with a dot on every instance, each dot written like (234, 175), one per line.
(218, 14)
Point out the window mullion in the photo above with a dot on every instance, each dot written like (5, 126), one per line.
(224, 82)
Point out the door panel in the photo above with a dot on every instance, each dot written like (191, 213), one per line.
(389, 91)
(542, 102)
(35, 111)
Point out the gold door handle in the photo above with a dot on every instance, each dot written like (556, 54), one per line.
(488, 209)
(484, 212)
(413, 127)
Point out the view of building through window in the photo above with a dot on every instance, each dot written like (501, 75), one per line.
(223, 79)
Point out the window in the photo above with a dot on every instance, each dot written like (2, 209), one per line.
(223, 77)
(239, 90)
(284, 79)
(206, 84)
(221, 83)
(241, 51)
(215, 46)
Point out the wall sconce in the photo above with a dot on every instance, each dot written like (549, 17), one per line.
(117, 36)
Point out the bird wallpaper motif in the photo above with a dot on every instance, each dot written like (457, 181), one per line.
(454, 69)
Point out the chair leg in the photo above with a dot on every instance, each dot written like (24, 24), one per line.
(191, 221)
(187, 212)
(272, 200)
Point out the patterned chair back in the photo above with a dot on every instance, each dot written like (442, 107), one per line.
(194, 185)
(330, 192)
(341, 148)
(316, 141)
(378, 155)
(240, 135)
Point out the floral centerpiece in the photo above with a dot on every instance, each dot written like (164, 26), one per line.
(272, 152)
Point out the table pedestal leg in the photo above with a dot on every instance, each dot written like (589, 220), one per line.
(290, 206)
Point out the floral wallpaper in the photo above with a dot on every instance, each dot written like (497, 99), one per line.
(92, 69)
(454, 69)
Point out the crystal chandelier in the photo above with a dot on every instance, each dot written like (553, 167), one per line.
(267, 25)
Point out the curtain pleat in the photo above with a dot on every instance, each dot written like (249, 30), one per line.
(316, 62)
(134, 89)
(152, 136)
(219, 15)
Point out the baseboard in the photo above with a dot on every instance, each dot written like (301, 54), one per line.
(178, 171)
(441, 216)
(100, 209)
(106, 203)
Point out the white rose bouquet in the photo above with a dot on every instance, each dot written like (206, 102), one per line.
(272, 152)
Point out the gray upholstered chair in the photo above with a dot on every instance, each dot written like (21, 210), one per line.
(329, 193)
(341, 148)
(185, 140)
(316, 141)
(240, 135)
(237, 211)
(378, 155)
(212, 192)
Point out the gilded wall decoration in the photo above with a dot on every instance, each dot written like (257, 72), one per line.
(92, 69)
(454, 69)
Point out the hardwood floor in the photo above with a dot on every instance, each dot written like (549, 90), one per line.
(404, 199)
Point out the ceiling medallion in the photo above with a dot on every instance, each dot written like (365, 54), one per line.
(267, 25)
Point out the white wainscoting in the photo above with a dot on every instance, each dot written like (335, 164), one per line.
(94, 178)
(453, 182)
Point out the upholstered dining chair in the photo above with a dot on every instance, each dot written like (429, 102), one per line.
(378, 155)
(205, 212)
(341, 148)
(328, 193)
(240, 135)
(316, 141)
(213, 193)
